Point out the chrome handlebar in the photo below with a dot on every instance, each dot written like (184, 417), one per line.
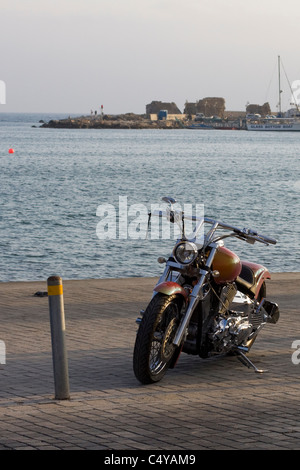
(247, 234)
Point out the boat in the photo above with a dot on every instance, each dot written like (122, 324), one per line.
(276, 124)
(200, 126)
(288, 122)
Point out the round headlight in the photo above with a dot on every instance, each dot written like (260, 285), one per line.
(185, 252)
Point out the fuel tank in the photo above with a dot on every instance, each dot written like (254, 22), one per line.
(227, 263)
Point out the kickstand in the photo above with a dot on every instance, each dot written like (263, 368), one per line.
(246, 361)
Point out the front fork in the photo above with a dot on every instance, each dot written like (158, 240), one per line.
(195, 296)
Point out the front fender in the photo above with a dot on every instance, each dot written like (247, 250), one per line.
(171, 288)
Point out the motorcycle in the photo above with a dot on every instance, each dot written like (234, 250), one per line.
(206, 302)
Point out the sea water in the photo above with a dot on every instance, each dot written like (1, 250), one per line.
(56, 179)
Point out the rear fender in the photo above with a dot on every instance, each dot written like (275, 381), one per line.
(252, 278)
(171, 288)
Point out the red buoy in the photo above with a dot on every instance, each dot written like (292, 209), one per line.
(11, 151)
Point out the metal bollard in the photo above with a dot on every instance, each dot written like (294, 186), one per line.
(57, 324)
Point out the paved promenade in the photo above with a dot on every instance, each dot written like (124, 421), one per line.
(201, 404)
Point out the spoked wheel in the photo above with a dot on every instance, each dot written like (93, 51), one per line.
(154, 349)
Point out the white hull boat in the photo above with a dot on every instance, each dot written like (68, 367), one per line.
(275, 125)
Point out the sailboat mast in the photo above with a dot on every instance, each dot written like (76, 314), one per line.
(279, 102)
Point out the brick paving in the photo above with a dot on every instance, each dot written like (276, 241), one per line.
(201, 404)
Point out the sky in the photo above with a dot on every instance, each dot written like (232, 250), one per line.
(72, 56)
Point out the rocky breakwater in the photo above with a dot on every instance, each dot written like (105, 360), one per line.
(116, 121)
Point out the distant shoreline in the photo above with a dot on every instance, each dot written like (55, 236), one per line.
(231, 120)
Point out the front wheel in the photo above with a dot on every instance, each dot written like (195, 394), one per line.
(154, 349)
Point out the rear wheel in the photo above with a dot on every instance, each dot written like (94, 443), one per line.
(154, 349)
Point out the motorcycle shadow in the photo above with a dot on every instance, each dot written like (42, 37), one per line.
(215, 369)
(112, 370)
